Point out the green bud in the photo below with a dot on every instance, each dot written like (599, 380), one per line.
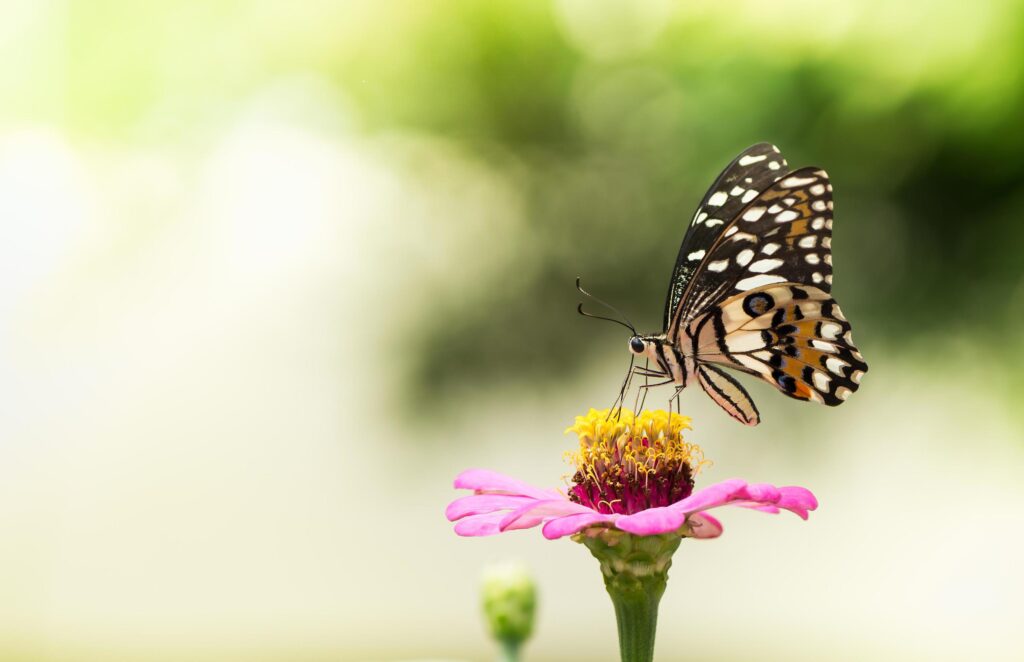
(509, 601)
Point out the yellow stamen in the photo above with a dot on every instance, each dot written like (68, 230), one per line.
(637, 444)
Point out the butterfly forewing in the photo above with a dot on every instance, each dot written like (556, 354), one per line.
(783, 235)
(740, 183)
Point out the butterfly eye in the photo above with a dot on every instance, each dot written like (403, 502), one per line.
(636, 345)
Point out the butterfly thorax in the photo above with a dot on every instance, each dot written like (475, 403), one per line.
(674, 360)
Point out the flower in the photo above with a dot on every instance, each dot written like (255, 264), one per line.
(631, 502)
(633, 473)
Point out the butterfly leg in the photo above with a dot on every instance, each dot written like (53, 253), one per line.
(616, 408)
(647, 373)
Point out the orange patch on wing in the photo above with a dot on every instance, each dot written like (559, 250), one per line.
(803, 391)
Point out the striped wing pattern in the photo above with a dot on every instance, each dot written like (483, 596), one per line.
(751, 172)
(782, 235)
(728, 393)
(793, 336)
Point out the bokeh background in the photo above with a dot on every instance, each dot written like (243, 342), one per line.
(273, 273)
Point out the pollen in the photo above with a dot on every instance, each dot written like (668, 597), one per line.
(627, 463)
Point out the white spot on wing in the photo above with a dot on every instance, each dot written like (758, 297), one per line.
(857, 376)
(819, 205)
(712, 222)
(750, 159)
(826, 242)
(769, 249)
(817, 189)
(821, 381)
(774, 165)
(718, 265)
(744, 257)
(737, 191)
(699, 218)
(808, 242)
(812, 258)
(843, 393)
(753, 213)
(816, 277)
(823, 346)
(764, 266)
(749, 195)
(787, 216)
(718, 199)
(696, 255)
(818, 223)
(757, 281)
(793, 182)
(830, 330)
(835, 366)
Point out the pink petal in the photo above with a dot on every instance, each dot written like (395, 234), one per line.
(763, 493)
(564, 526)
(711, 496)
(537, 511)
(483, 503)
(492, 482)
(704, 526)
(652, 521)
(760, 507)
(798, 500)
(479, 525)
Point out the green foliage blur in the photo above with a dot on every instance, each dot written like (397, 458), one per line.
(915, 110)
(610, 119)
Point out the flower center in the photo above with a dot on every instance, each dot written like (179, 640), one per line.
(632, 463)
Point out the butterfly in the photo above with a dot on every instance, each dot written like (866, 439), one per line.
(750, 292)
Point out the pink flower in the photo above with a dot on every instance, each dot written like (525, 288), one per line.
(633, 473)
(500, 503)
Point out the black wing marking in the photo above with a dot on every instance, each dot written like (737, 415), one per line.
(794, 337)
(783, 235)
(749, 173)
(728, 394)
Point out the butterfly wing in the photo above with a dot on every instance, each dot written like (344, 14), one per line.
(756, 168)
(728, 393)
(793, 336)
(782, 235)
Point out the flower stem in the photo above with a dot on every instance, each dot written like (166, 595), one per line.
(635, 570)
(509, 651)
(636, 613)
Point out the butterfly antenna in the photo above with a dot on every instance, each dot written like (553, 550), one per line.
(579, 309)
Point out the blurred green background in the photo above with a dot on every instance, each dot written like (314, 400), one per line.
(273, 273)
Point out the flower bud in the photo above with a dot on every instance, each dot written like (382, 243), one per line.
(509, 602)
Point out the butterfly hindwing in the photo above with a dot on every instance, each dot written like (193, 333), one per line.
(728, 393)
(793, 336)
(783, 235)
(738, 184)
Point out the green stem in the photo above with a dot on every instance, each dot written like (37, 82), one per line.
(635, 570)
(509, 651)
(636, 612)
